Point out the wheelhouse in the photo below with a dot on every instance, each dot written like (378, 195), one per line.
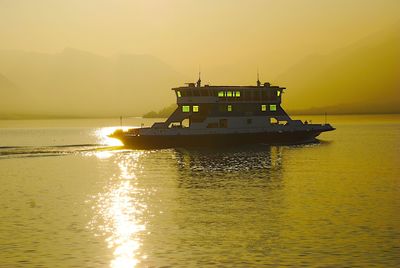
(228, 100)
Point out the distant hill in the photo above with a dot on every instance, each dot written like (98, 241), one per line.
(165, 112)
(79, 83)
(362, 78)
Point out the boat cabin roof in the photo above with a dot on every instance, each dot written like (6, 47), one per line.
(193, 86)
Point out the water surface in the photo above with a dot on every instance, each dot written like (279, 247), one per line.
(71, 197)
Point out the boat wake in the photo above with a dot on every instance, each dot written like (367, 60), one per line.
(57, 150)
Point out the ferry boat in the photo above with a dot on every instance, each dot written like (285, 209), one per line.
(211, 116)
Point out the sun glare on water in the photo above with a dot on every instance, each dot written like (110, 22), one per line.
(103, 135)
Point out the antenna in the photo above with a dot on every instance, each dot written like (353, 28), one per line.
(258, 78)
(199, 81)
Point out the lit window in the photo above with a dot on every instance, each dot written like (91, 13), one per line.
(263, 107)
(220, 93)
(229, 94)
(195, 108)
(237, 94)
(272, 107)
(178, 93)
(278, 93)
(229, 108)
(186, 108)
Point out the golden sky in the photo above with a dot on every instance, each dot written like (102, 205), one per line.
(328, 53)
(185, 33)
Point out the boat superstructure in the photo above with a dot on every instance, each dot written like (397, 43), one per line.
(224, 115)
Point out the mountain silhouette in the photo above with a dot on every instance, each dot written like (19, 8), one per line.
(361, 78)
(79, 83)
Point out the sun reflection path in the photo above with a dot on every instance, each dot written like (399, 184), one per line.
(119, 213)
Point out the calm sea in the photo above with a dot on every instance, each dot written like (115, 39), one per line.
(71, 197)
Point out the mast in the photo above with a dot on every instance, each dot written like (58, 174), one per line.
(198, 84)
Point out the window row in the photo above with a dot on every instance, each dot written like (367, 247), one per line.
(229, 108)
(228, 93)
(272, 107)
(246, 94)
(186, 108)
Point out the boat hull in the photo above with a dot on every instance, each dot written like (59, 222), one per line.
(215, 140)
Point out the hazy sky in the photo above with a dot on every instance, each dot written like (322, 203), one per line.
(185, 33)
